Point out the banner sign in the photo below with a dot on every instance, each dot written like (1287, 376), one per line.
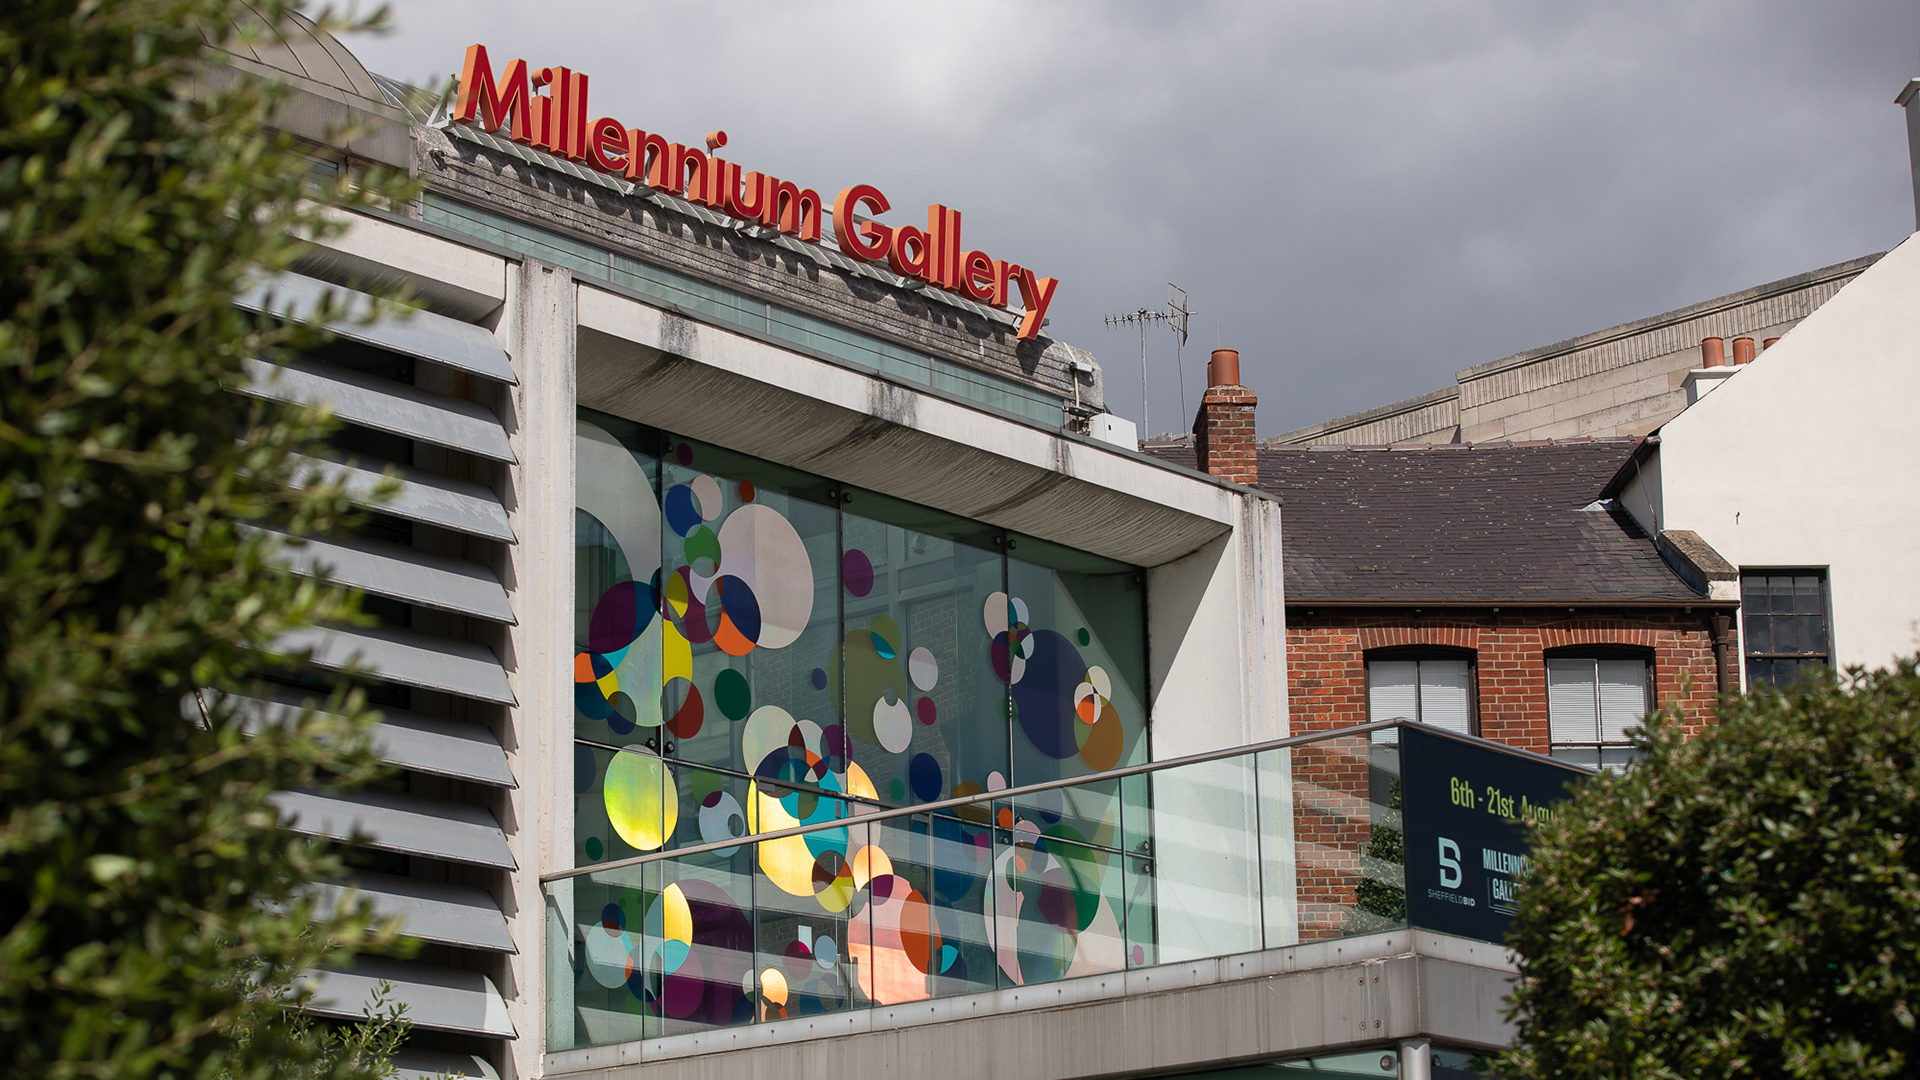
(546, 109)
(1465, 809)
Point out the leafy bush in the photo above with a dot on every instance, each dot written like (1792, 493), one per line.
(138, 849)
(1746, 903)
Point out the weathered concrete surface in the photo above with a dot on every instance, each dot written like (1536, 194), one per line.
(1327, 997)
(708, 383)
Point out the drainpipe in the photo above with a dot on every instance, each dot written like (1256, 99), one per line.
(1725, 647)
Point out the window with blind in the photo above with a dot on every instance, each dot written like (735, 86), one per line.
(1783, 621)
(1591, 702)
(1433, 689)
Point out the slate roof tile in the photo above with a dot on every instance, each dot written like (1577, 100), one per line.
(1504, 524)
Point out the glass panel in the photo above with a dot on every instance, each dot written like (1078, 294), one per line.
(699, 957)
(1074, 661)
(609, 953)
(1393, 690)
(1759, 632)
(1059, 909)
(1279, 864)
(1572, 701)
(751, 578)
(925, 712)
(1753, 594)
(1786, 635)
(809, 917)
(1585, 756)
(1623, 697)
(1813, 633)
(1780, 594)
(1444, 696)
(1207, 860)
(953, 858)
(616, 570)
(1807, 595)
(1346, 844)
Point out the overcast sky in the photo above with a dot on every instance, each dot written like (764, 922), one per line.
(1362, 198)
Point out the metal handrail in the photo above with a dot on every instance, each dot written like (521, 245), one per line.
(1031, 789)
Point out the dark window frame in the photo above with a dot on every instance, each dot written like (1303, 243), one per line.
(1427, 652)
(1804, 658)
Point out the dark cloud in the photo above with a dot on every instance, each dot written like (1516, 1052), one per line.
(1361, 197)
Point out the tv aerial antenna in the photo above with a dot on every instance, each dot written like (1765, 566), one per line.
(1176, 316)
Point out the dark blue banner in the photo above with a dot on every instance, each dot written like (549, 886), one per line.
(1465, 807)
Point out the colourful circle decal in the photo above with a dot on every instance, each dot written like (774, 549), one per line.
(857, 570)
(731, 694)
(922, 668)
(643, 804)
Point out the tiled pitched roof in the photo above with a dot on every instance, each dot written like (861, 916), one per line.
(1465, 524)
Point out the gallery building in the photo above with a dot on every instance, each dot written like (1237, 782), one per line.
(786, 673)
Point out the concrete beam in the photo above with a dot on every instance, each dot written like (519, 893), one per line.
(1324, 998)
(650, 365)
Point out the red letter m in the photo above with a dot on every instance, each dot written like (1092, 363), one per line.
(492, 100)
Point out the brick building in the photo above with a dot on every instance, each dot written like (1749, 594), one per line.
(1482, 587)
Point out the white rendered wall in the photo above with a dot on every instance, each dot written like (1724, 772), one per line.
(1808, 458)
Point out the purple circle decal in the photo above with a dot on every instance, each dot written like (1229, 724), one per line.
(925, 710)
(858, 570)
(683, 454)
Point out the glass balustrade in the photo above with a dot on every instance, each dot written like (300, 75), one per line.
(827, 904)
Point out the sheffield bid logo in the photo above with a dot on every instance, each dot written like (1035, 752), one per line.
(556, 121)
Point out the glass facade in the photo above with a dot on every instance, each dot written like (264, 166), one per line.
(760, 649)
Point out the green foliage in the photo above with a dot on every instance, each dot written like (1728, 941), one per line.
(138, 850)
(1746, 903)
(1376, 904)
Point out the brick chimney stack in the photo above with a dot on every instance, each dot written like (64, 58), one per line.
(1223, 428)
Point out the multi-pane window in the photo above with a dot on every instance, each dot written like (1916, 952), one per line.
(1591, 702)
(1783, 618)
(1431, 689)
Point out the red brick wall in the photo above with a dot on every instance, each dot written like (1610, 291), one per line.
(1327, 672)
(1327, 681)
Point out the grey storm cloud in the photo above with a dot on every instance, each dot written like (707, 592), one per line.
(1362, 198)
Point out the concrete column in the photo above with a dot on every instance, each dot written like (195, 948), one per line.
(538, 328)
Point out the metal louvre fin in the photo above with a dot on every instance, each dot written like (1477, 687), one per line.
(435, 828)
(437, 998)
(459, 505)
(383, 404)
(448, 665)
(424, 744)
(423, 334)
(431, 1065)
(404, 573)
(429, 910)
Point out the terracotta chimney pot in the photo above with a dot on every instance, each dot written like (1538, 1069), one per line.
(1711, 354)
(1742, 350)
